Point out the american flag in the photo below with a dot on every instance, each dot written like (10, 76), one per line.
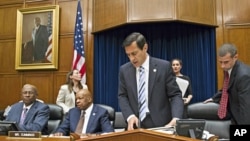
(48, 53)
(79, 58)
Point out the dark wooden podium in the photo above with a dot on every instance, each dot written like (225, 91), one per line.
(135, 135)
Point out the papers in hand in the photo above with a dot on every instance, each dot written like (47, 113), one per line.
(183, 84)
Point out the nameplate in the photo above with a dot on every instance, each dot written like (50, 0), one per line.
(24, 134)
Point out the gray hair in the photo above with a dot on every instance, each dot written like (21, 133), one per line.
(227, 48)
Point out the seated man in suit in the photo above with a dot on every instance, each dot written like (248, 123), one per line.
(96, 119)
(30, 114)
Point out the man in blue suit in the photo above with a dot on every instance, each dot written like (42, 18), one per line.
(164, 104)
(96, 119)
(30, 114)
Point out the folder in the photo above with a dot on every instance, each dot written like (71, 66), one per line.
(183, 85)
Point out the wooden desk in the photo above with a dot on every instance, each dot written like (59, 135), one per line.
(137, 135)
(6, 138)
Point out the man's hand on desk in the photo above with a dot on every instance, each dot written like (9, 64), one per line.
(133, 122)
(172, 123)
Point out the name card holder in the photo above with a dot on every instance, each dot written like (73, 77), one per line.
(24, 134)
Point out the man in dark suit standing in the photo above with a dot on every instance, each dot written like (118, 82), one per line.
(39, 41)
(238, 90)
(30, 114)
(163, 98)
(96, 119)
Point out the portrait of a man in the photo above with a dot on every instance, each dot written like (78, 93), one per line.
(36, 38)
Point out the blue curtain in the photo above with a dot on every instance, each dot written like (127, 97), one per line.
(194, 44)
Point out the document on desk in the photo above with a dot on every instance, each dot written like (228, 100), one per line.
(52, 136)
(164, 129)
(183, 85)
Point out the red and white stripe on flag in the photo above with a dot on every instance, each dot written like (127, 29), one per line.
(48, 53)
(49, 50)
(79, 58)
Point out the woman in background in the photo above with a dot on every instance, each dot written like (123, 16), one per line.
(177, 66)
(66, 94)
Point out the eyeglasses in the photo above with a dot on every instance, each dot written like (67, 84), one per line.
(28, 92)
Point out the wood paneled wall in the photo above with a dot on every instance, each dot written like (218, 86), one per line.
(234, 27)
(47, 81)
(233, 22)
(111, 13)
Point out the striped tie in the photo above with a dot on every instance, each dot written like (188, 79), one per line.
(23, 115)
(141, 94)
(80, 123)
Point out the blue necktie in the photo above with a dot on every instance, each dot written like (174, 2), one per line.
(142, 94)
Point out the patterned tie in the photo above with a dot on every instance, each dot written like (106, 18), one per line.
(23, 115)
(224, 97)
(141, 94)
(80, 123)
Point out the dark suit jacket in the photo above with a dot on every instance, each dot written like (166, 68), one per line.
(27, 53)
(239, 93)
(164, 97)
(36, 118)
(41, 43)
(98, 121)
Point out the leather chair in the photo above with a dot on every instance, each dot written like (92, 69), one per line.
(55, 118)
(1, 115)
(214, 125)
(120, 123)
(111, 112)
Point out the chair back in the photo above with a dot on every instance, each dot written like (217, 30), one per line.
(111, 112)
(1, 115)
(120, 123)
(55, 118)
(208, 111)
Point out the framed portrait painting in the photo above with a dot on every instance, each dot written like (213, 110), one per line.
(37, 38)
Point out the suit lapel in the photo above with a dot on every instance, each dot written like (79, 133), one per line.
(31, 112)
(76, 117)
(233, 73)
(92, 117)
(19, 111)
(132, 70)
(152, 76)
(38, 31)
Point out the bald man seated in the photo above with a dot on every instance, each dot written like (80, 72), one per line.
(96, 118)
(30, 114)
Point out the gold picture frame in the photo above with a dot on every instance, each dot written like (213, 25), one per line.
(33, 52)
